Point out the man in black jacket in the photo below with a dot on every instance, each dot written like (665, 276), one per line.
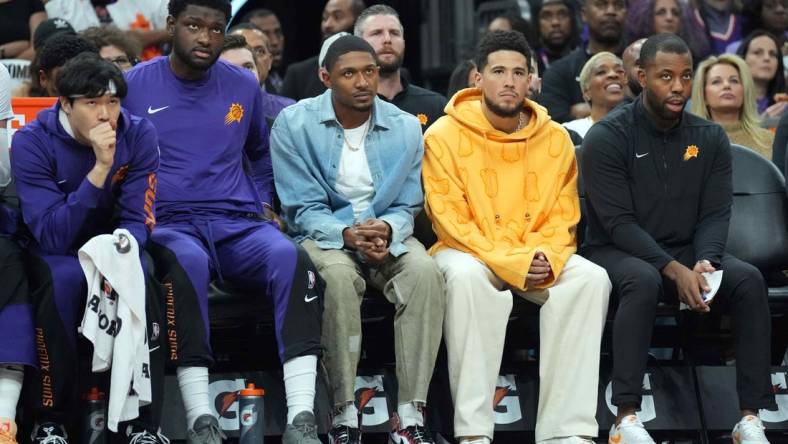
(658, 183)
(561, 93)
(302, 79)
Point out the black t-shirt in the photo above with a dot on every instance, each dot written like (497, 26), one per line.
(422, 103)
(15, 19)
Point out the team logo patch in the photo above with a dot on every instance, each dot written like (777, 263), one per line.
(311, 276)
(691, 151)
(235, 114)
(422, 118)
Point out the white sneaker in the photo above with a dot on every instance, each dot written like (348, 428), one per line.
(629, 431)
(749, 431)
(567, 440)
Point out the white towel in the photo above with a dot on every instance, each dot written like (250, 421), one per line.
(115, 322)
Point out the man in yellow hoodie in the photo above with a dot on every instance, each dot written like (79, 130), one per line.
(501, 191)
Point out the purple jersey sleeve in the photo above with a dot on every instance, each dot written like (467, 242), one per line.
(258, 151)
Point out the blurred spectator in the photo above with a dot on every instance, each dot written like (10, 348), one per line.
(602, 81)
(761, 51)
(648, 17)
(557, 31)
(258, 42)
(769, 15)
(50, 28)
(302, 79)
(145, 20)
(561, 93)
(379, 25)
(6, 113)
(269, 24)
(238, 52)
(723, 92)
(18, 22)
(53, 55)
(114, 46)
(631, 60)
(462, 77)
(719, 20)
(513, 22)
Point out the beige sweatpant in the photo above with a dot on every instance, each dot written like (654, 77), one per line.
(413, 283)
(570, 331)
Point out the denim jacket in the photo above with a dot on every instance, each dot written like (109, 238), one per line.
(306, 146)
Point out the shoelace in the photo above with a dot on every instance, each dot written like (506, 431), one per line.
(752, 429)
(52, 439)
(145, 437)
(308, 430)
(343, 435)
(419, 434)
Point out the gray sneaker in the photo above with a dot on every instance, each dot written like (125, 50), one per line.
(303, 430)
(206, 431)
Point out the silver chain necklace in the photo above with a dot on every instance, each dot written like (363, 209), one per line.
(363, 136)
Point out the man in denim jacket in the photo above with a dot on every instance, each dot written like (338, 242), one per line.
(347, 169)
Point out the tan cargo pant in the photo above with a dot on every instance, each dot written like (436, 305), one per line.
(571, 321)
(413, 283)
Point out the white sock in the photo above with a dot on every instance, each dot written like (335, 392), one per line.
(11, 377)
(193, 382)
(481, 440)
(348, 416)
(409, 415)
(299, 375)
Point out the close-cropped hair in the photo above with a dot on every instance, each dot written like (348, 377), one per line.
(502, 41)
(358, 28)
(664, 42)
(344, 45)
(176, 7)
(88, 75)
(591, 64)
(748, 114)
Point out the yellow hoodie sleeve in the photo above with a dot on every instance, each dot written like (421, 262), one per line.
(453, 221)
(556, 236)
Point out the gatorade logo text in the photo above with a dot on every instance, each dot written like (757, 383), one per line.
(371, 400)
(506, 401)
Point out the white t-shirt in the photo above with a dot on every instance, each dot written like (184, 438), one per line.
(580, 126)
(354, 180)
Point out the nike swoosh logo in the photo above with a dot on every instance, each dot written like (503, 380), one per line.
(61, 182)
(308, 299)
(641, 155)
(155, 110)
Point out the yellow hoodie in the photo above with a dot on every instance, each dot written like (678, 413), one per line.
(501, 197)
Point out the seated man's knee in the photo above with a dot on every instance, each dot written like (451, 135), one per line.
(642, 282)
(337, 278)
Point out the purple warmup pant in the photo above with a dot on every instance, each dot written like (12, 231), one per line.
(17, 337)
(252, 255)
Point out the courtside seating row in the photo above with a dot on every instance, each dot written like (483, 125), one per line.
(758, 234)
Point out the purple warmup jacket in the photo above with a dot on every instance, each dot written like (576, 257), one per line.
(213, 139)
(61, 208)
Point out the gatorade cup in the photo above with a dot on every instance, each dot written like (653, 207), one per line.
(250, 415)
(95, 428)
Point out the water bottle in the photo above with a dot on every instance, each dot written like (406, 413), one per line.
(95, 429)
(250, 415)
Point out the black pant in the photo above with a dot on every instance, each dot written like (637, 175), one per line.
(59, 294)
(639, 287)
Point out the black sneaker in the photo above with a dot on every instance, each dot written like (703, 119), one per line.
(49, 433)
(136, 434)
(342, 434)
(416, 434)
(303, 430)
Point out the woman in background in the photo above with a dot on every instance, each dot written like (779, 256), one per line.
(723, 92)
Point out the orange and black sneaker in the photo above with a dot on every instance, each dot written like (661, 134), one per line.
(7, 431)
(629, 431)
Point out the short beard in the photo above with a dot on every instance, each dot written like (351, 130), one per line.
(498, 111)
(658, 107)
(634, 87)
(608, 40)
(387, 69)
